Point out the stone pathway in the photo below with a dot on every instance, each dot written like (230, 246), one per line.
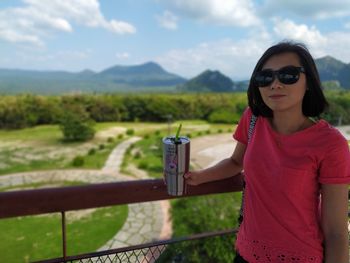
(145, 222)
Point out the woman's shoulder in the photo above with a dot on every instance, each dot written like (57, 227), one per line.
(246, 116)
(325, 127)
(248, 112)
(329, 134)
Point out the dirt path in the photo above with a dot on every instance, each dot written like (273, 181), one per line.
(209, 150)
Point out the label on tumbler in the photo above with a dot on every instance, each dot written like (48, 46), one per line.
(176, 159)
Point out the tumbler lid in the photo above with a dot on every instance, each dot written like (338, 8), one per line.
(171, 140)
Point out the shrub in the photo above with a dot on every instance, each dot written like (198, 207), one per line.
(143, 165)
(78, 161)
(120, 136)
(137, 155)
(223, 116)
(130, 132)
(221, 215)
(101, 146)
(92, 151)
(146, 136)
(110, 140)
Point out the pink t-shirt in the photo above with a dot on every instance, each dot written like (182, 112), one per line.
(283, 174)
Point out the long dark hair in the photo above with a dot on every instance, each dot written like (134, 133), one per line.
(314, 101)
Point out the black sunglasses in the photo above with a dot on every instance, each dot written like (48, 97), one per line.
(286, 75)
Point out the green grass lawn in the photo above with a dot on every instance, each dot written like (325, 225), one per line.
(146, 154)
(30, 238)
(48, 134)
(207, 213)
(42, 148)
(25, 239)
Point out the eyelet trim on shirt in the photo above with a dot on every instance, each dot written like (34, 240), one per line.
(259, 252)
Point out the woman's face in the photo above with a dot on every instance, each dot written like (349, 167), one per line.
(279, 96)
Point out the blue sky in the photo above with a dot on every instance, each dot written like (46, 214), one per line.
(185, 37)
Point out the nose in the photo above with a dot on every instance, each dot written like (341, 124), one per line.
(276, 84)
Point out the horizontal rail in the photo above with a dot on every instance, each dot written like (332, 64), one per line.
(50, 200)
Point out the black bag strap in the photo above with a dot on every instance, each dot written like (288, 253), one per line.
(253, 120)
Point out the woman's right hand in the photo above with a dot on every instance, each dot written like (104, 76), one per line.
(194, 177)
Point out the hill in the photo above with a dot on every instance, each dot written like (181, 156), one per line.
(331, 69)
(208, 81)
(146, 76)
(149, 77)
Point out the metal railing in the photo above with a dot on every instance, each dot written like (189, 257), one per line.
(51, 200)
(145, 253)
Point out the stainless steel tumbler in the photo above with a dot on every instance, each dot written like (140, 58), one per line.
(176, 159)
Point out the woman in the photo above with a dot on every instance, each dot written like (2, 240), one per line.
(290, 163)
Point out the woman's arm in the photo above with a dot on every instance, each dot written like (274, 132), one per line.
(226, 168)
(335, 222)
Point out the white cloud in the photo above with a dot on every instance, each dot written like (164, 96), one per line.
(319, 9)
(119, 27)
(123, 55)
(15, 37)
(235, 59)
(238, 13)
(38, 18)
(167, 20)
(347, 25)
(285, 28)
(335, 43)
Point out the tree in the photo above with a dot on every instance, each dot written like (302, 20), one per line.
(76, 124)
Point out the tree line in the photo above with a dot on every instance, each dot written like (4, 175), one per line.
(26, 110)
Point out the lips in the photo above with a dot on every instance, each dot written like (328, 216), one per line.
(277, 96)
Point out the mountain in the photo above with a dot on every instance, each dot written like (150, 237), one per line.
(331, 69)
(208, 81)
(145, 77)
(149, 76)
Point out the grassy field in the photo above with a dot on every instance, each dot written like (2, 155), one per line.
(207, 213)
(26, 239)
(146, 154)
(42, 148)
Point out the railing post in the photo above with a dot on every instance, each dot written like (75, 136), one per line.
(63, 225)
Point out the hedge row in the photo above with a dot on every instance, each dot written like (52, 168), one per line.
(29, 110)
